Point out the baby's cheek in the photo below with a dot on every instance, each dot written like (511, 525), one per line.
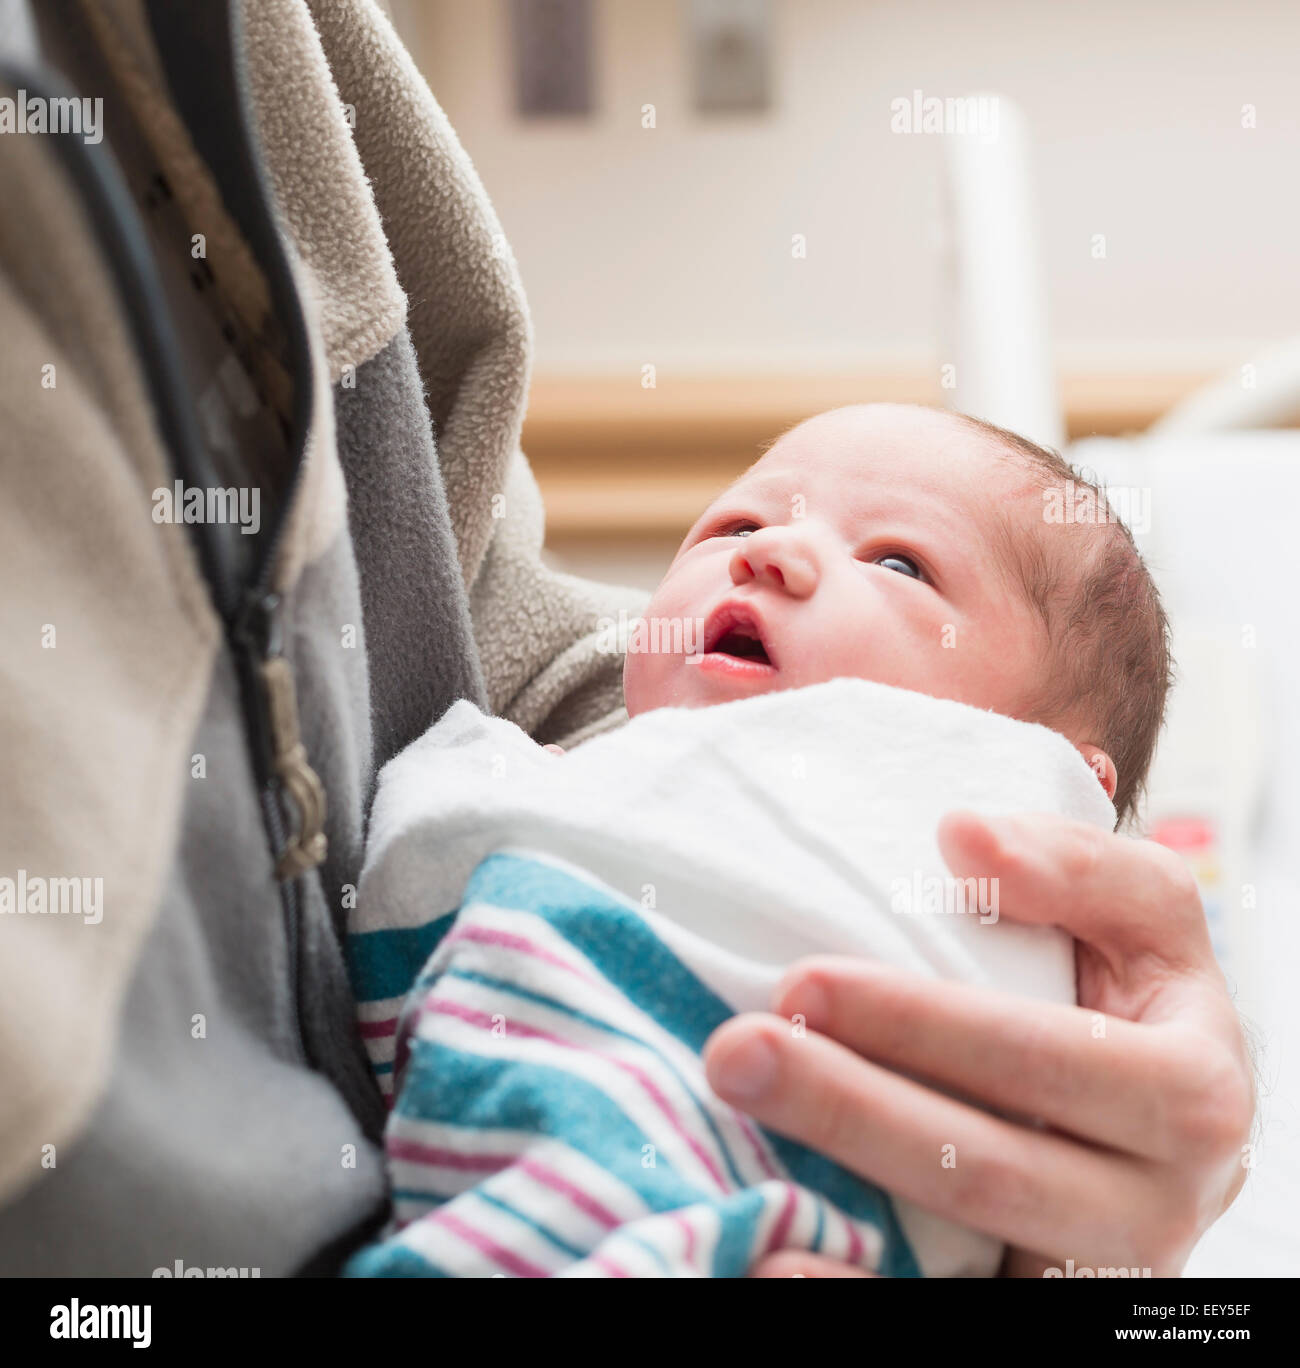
(651, 676)
(910, 654)
(636, 686)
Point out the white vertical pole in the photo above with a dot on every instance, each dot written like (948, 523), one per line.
(999, 339)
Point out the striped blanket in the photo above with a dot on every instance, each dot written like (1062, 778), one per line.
(541, 946)
(553, 1117)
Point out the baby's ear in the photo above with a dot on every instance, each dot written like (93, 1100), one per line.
(1100, 764)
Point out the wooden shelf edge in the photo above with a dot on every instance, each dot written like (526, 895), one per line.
(613, 459)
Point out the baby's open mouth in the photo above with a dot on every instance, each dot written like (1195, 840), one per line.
(733, 640)
(740, 643)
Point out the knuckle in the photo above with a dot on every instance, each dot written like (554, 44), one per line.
(1178, 884)
(1082, 850)
(1163, 1229)
(1239, 1107)
(1032, 1052)
(1009, 854)
(1160, 1227)
(839, 1124)
(1170, 1231)
(995, 1186)
(1214, 1108)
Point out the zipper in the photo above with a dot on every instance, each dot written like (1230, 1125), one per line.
(251, 613)
(281, 758)
(258, 630)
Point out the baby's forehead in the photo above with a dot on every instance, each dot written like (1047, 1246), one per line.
(968, 482)
(891, 449)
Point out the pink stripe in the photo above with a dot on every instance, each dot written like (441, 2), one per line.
(781, 1229)
(401, 1054)
(689, 1231)
(372, 1030)
(510, 941)
(760, 1150)
(449, 1008)
(406, 1022)
(417, 1153)
(507, 940)
(520, 1267)
(481, 935)
(609, 1266)
(548, 1177)
(855, 1243)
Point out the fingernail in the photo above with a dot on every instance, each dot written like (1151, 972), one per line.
(809, 1001)
(747, 1071)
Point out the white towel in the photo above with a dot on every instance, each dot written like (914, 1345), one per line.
(749, 835)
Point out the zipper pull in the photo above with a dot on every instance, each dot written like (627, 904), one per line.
(279, 757)
(306, 848)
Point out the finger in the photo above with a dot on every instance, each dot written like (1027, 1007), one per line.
(796, 1263)
(1032, 1189)
(1103, 888)
(1128, 1087)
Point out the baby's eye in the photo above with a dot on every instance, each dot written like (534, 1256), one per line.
(904, 565)
(741, 529)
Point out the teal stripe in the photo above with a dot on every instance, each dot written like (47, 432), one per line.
(655, 1254)
(612, 935)
(391, 1260)
(738, 1235)
(862, 1200)
(385, 964)
(426, 1196)
(451, 1087)
(485, 1195)
(554, 1004)
(468, 1090)
(618, 941)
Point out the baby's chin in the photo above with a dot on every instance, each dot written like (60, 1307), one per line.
(698, 685)
(708, 682)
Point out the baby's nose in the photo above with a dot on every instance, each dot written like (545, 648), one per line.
(776, 556)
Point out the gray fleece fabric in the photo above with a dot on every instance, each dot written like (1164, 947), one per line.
(184, 1081)
(414, 607)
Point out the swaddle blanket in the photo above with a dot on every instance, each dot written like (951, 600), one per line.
(541, 945)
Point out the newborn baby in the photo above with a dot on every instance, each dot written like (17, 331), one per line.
(875, 625)
(911, 547)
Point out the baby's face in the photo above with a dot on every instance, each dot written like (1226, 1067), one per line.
(862, 545)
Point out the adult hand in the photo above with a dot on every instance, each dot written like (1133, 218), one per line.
(1146, 1088)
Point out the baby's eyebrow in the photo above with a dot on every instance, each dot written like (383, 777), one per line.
(758, 487)
(766, 482)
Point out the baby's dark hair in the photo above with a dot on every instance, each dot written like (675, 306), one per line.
(1107, 626)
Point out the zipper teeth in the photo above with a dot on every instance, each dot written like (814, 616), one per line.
(289, 903)
(298, 345)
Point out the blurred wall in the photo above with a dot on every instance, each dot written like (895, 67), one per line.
(673, 244)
